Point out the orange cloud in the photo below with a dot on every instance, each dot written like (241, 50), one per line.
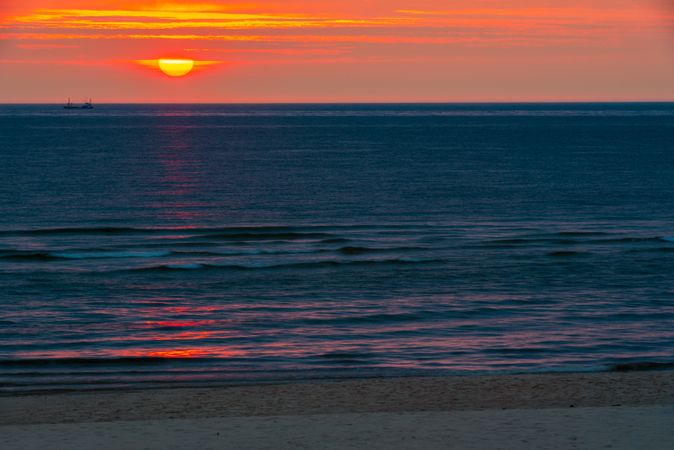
(45, 46)
(209, 22)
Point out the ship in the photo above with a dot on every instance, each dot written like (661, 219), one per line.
(85, 105)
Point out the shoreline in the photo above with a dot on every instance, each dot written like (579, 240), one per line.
(369, 395)
(97, 387)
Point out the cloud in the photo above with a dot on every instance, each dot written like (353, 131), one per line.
(358, 27)
(45, 46)
(211, 22)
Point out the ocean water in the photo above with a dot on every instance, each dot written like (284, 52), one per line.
(169, 244)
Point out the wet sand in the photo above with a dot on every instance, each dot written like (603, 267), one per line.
(598, 410)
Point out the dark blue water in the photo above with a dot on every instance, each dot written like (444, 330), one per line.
(155, 244)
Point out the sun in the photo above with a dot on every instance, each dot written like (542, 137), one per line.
(176, 67)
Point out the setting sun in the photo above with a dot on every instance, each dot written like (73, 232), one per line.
(176, 67)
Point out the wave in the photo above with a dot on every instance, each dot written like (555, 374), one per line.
(335, 241)
(561, 236)
(112, 254)
(149, 230)
(346, 357)
(581, 233)
(160, 254)
(652, 250)
(353, 250)
(101, 361)
(566, 254)
(30, 256)
(564, 239)
(299, 265)
(640, 366)
(270, 236)
(255, 230)
(188, 266)
(629, 240)
(370, 318)
(513, 242)
(18, 255)
(63, 256)
(68, 231)
(210, 235)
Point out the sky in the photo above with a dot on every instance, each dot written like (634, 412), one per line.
(338, 51)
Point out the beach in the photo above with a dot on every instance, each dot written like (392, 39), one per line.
(581, 410)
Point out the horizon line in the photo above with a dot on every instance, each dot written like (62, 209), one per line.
(480, 102)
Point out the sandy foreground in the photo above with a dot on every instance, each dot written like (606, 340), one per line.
(555, 411)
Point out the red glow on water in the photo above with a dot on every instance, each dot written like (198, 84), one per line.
(192, 309)
(178, 353)
(186, 336)
(179, 323)
(179, 178)
(193, 352)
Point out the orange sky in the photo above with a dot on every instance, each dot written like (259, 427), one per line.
(338, 51)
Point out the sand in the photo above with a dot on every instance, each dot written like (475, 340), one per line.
(602, 410)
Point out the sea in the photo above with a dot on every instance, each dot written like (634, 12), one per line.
(189, 245)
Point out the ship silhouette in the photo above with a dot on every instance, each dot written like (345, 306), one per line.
(85, 105)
